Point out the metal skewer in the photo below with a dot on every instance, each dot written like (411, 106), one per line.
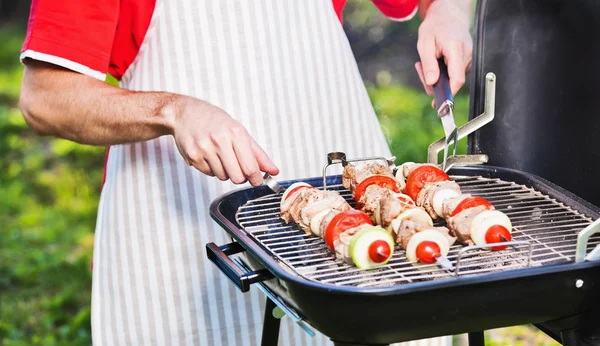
(444, 262)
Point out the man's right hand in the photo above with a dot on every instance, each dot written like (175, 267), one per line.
(216, 144)
(69, 105)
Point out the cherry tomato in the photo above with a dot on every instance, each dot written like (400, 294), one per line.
(342, 222)
(379, 251)
(381, 180)
(296, 189)
(472, 202)
(421, 175)
(497, 234)
(428, 251)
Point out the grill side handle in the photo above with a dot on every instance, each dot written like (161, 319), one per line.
(219, 255)
(582, 242)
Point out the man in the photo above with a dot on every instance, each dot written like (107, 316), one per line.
(209, 88)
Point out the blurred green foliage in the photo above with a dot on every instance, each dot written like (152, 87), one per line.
(49, 191)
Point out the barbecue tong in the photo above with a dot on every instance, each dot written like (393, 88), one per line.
(445, 104)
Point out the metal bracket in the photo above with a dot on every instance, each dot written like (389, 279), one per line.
(474, 124)
(337, 158)
(512, 244)
(582, 242)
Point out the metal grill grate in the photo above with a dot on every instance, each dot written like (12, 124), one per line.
(544, 232)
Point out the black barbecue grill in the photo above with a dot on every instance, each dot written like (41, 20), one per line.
(549, 275)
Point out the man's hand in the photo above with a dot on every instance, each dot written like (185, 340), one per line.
(216, 144)
(69, 105)
(445, 32)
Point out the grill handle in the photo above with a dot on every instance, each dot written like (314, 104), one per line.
(444, 102)
(219, 255)
(582, 242)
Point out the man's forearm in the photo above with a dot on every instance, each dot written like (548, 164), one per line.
(69, 105)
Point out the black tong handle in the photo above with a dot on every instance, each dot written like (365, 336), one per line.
(441, 89)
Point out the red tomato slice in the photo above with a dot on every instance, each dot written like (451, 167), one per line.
(428, 251)
(342, 222)
(406, 200)
(472, 202)
(424, 174)
(296, 189)
(379, 251)
(381, 180)
(497, 234)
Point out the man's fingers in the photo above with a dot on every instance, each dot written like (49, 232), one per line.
(264, 162)
(419, 68)
(428, 54)
(247, 161)
(230, 162)
(216, 166)
(456, 66)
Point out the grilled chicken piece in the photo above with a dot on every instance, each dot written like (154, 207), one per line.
(451, 203)
(389, 208)
(325, 200)
(285, 213)
(369, 201)
(432, 196)
(460, 224)
(342, 245)
(353, 175)
(305, 197)
(409, 227)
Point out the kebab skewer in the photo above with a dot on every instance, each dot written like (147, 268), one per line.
(379, 195)
(472, 219)
(348, 232)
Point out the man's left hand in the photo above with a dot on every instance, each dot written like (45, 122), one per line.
(444, 32)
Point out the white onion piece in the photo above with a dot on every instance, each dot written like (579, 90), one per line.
(426, 235)
(415, 214)
(290, 188)
(439, 197)
(315, 222)
(486, 219)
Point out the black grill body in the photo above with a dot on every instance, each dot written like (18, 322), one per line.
(545, 57)
(385, 315)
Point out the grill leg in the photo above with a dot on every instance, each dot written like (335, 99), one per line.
(476, 339)
(270, 332)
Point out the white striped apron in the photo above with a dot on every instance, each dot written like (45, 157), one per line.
(285, 70)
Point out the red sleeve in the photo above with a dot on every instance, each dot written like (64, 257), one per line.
(400, 10)
(75, 34)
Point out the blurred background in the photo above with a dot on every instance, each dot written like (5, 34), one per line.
(49, 188)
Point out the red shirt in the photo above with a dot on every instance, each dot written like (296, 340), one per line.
(104, 36)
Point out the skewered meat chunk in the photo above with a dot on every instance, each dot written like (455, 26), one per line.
(435, 192)
(369, 201)
(389, 208)
(409, 227)
(325, 200)
(460, 224)
(353, 175)
(451, 203)
(342, 245)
